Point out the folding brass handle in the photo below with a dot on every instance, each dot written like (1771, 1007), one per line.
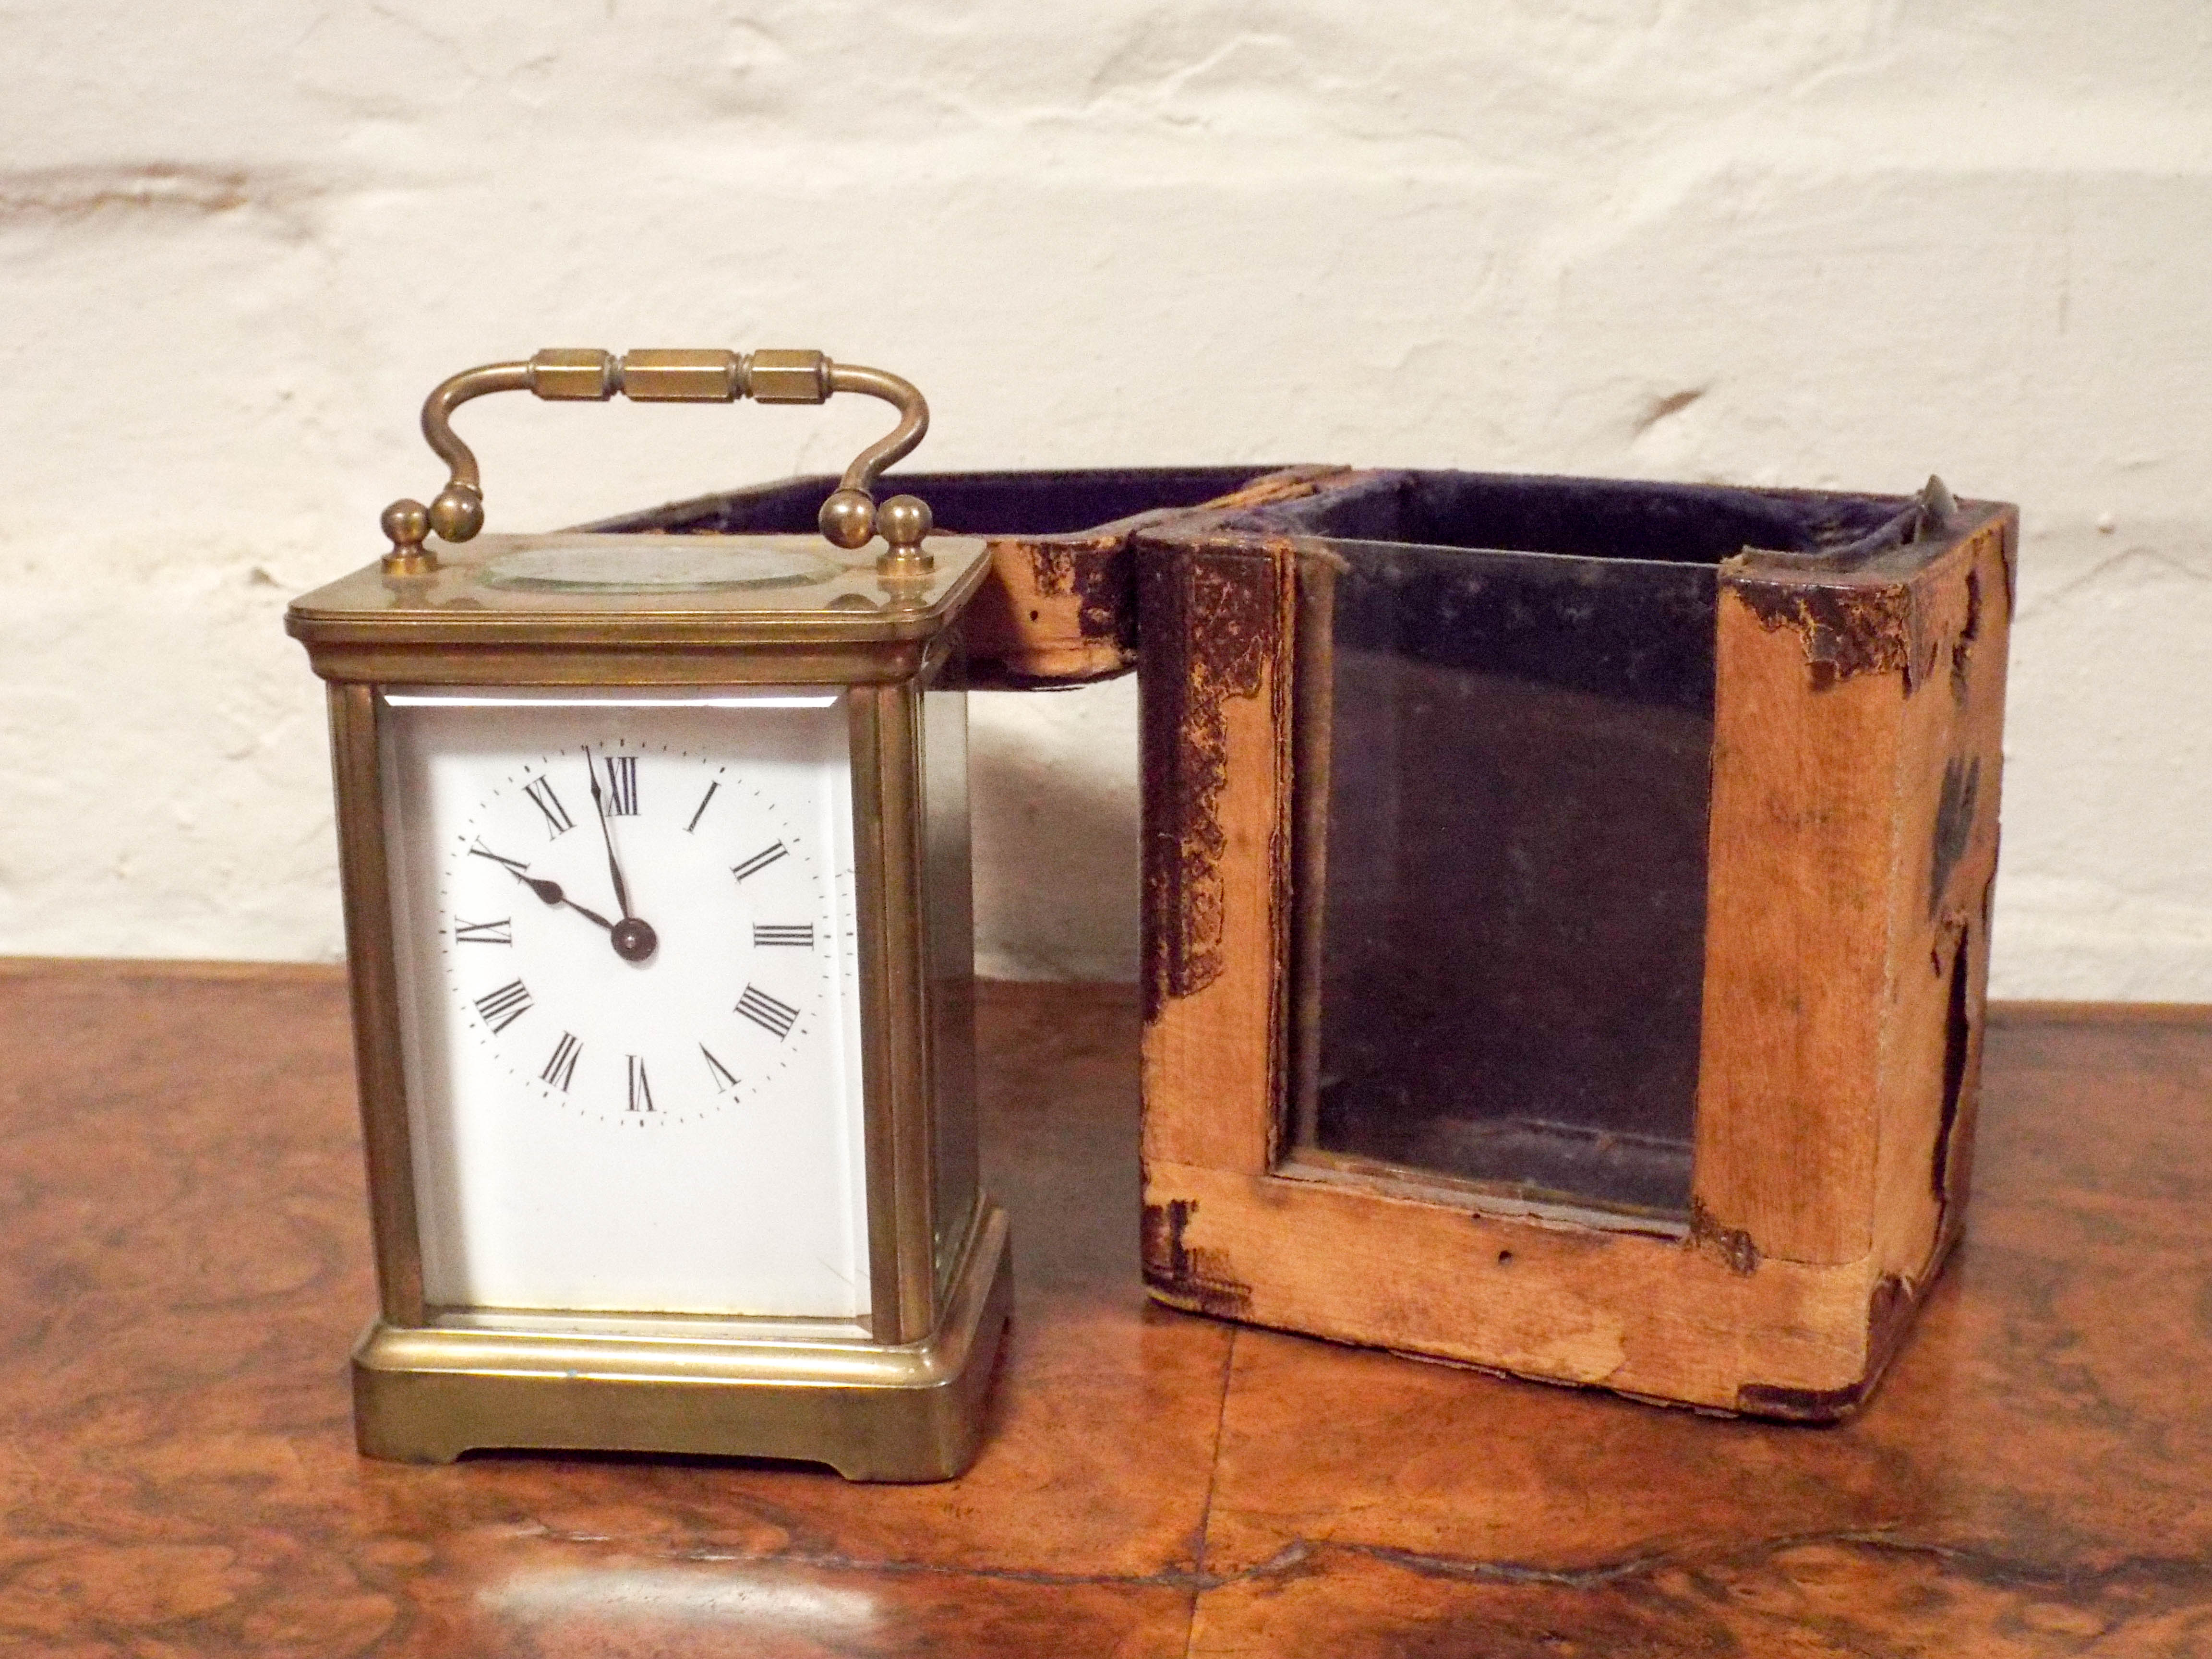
(848, 518)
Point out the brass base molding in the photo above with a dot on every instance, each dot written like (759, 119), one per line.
(426, 1394)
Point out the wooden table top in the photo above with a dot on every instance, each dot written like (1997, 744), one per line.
(186, 1264)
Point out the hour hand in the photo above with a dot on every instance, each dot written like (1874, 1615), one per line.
(548, 890)
(551, 893)
(634, 940)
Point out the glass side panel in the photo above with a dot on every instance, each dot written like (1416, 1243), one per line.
(1504, 767)
(952, 956)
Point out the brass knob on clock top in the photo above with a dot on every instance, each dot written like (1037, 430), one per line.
(407, 522)
(848, 518)
(905, 521)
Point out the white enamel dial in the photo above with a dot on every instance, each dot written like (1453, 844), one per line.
(644, 956)
(630, 975)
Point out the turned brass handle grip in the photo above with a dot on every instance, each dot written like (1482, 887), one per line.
(848, 518)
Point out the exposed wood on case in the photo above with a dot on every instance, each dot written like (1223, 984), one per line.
(1842, 631)
(1192, 1277)
(1061, 609)
(1641, 1315)
(1216, 744)
(1951, 763)
(1889, 1315)
(1855, 791)
(1803, 808)
(1733, 1245)
(1057, 611)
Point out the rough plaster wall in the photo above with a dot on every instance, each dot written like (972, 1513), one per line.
(1821, 242)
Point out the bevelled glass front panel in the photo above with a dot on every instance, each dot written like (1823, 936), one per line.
(1503, 758)
(628, 974)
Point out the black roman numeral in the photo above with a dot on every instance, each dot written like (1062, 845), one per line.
(725, 1079)
(711, 787)
(558, 820)
(484, 932)
(502, 1007)
(765, 1012)
(800, 933)
(478, 850)
(641, 1091)
(562, 1066)
(758, 862)
(621, 786)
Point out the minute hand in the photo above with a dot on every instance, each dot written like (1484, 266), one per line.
(599, 805)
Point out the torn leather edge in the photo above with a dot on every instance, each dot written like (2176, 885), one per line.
(1857, 615)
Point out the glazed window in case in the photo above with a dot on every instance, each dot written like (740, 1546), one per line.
(1503, 735)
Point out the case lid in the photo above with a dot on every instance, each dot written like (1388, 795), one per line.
(579, 587)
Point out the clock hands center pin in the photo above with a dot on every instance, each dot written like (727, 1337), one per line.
(632, 937)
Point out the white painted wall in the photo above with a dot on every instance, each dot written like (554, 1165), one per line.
(1872, 238)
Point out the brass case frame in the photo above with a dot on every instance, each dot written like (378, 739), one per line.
(904, 1403)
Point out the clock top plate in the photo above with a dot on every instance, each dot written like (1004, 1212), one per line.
(569, 587)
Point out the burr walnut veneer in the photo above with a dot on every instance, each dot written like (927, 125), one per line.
(187, 1254)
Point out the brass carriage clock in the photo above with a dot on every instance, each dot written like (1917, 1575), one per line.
(657, 889)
